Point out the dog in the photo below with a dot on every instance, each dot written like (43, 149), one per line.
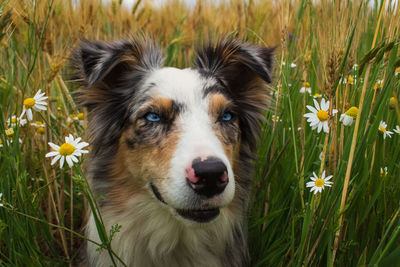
(172, 150)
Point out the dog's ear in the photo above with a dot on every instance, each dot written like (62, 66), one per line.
(228, 57)
(243, 70)
(110, 75)
(103, 68)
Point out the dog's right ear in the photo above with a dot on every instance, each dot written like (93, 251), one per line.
(105, 68)
(110, 75)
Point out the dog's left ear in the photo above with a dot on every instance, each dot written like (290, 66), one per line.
(243, 70)
(230, 59)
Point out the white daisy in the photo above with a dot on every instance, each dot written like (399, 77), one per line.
(306, 88)
(382, 129)
(1, 204)
(349, 116)
(397, 130)
(317, 184)
(275, 118)
(317, 95)
(69, 151)
(318, 118)
(303, 90)
(355, 66)
(397, 71)
(13, 121)
(348, 80)
(73, 117)
(36, 103)
(351, 80)
(40, 126)
(1, 143)
(384, 171)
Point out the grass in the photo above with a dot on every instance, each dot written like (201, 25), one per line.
(353, 223)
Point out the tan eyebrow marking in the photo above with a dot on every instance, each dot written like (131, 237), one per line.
(218, 102)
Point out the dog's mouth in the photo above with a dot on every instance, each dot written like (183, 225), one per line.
(200, 216)
(197, 215)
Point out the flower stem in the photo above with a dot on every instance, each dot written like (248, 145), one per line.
(353, 146)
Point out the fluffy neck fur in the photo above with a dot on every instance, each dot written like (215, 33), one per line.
(151, 236)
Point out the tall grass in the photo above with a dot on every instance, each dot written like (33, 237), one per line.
(353, 223)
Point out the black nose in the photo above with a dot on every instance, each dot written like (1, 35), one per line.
(210, 176)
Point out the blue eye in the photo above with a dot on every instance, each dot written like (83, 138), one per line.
(227, 116)
(153, 117)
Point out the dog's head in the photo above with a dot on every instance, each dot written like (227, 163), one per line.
(184, 136)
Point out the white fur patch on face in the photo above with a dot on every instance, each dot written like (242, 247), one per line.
(197, 138)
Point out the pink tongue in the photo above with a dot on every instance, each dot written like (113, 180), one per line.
(191, 175)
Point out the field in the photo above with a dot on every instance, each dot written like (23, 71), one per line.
(344, 52)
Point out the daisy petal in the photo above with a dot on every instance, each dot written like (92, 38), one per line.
(312, 109)
(310, 184)
(55, 159)
(39, 108)
(62, 162)
(52, 154)
(54, 146)
(316, 104)
(69, 161)
(82, 145)
(319, 127)
(74, 159)
(326, 128)
(323, 104)
(29, 114)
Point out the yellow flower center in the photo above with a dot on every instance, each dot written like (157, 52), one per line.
(322, 115)
(66, 149)
(398, 69)
(39, 123)
(10, 132)
(382, 129)
(41, 130)
(350, 80)
(1, 142)
(306, 84)
(13, 120)
(316, 95)
(352, 112)
(319, 182)
(80, 116)
(29, 103)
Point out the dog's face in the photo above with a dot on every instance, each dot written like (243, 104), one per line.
(181, 139)
(183, 136)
